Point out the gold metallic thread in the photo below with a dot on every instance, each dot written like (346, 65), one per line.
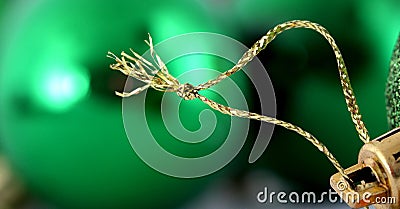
(160, 79)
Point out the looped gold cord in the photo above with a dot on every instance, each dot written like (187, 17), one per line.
(157, 76)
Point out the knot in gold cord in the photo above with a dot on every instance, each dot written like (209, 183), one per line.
(187, 91)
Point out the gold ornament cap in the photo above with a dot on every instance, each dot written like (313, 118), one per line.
(375, 180)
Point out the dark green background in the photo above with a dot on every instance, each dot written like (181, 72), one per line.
(70, 148)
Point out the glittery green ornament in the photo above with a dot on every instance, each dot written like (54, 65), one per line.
(393, 88)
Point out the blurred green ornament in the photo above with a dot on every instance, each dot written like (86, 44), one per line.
(61, 125)
(393, 88)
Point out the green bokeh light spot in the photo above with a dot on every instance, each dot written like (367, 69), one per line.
(59, 87)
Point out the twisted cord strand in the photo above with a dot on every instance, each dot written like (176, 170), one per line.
(343, 75)
(245, 114)
(157, 76)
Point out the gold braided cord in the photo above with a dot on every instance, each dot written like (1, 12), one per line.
(157, 76)
(344, 77)
(245, 114)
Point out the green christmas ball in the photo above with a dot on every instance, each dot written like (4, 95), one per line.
(61, 124)
(393, 88)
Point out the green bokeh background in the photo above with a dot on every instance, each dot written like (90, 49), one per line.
(61, 124)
